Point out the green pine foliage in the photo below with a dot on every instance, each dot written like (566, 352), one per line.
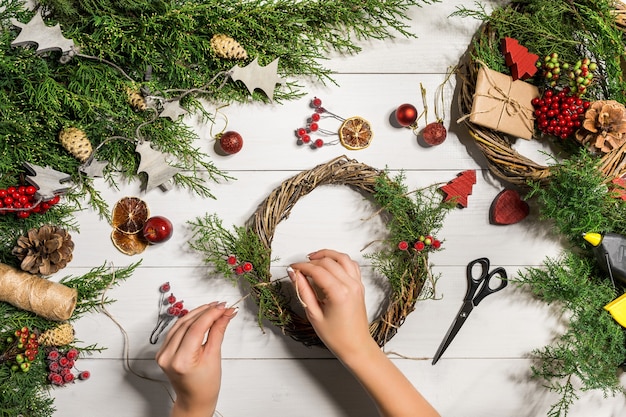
(410, 215)
(593, 346)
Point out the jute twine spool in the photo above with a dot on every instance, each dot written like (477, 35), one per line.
(47, 299)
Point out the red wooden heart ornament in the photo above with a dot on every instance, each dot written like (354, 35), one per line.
(508, 208)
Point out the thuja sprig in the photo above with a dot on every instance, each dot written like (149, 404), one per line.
(410, 215)
(577, 200)
(92, 286)
(593, 345)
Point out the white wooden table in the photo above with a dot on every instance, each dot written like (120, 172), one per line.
(485, 370)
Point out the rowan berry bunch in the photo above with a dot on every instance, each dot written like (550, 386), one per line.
(20, 349)
(60, 365)
(23, 201)
(169, 309)
(558, 113)
(312, 127)
(421, 244)
(239, 268)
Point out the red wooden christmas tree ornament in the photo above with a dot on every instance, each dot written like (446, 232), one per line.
(508, 208)
(521, 62)
(460, 188)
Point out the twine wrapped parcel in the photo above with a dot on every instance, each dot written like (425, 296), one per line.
(48, 299)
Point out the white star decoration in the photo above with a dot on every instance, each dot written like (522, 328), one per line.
(154, 164)
(172, 110)
(47, 38)
(255, 76)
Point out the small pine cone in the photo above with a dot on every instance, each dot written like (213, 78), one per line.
(45, 250)
(61, 335)
(76, 142)
(226, 47)
(136, 100)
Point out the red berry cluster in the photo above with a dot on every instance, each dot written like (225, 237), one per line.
(173, 307)
(60, 365)
(21, 349)
(22, 201)
(420, 244)
(304, 133)
(239, 268)
(558, 113)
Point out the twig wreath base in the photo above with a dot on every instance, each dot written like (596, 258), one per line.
(406, 270)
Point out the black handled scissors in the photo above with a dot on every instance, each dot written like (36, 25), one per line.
(477, 290)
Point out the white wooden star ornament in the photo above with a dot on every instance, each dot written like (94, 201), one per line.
(156, 166)
(173, 110)
(48, 181)
(94, 168)
(255, 76)
(46, 38)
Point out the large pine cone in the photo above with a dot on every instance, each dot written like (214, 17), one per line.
(226, 47)
(604, 127)
(45, 250)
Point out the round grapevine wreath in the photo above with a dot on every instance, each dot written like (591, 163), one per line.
(410, 216)
(503, 160)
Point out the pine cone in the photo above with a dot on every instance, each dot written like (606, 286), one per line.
(76, 142)
(226, 47)
(604, 127)
(61, 335)
(45, 250)
(136, 100)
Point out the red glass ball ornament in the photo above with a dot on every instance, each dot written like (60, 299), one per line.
(434, 133)
(406, 114)
(231, 142)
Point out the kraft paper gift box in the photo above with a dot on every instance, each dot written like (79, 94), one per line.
(503, 104)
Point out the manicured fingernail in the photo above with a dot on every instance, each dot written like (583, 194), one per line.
(310, 254)
(291, 272)
(221, 306)
(233, 312)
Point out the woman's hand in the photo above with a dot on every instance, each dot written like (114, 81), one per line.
(334, 299)
(193, 367)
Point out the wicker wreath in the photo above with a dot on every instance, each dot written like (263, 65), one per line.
(277, 207)
(503, 161)
(408, 216)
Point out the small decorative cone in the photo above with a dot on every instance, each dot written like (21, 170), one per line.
(136, 100)
(61, 335)
(76, 142)
(226, 47)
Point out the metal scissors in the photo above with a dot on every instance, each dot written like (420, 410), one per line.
(477, 290)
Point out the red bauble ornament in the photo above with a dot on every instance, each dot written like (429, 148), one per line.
(434, 133)
(230, 142)
(406, 114)
(157, 229)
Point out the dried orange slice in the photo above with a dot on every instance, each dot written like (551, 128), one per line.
(129, 215)
(128, 244)
(356, 133)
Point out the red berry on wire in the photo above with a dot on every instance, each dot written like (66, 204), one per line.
(84, 375)
(315, 117)
(319, 143)
(247, 267)
(305, 139)
(316, 102)
(403, 245)
(232, 260)
(165, 287)
(313, 127)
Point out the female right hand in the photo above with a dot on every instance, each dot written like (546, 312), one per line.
(334, 300)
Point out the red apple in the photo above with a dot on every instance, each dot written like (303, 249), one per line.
(157, 229)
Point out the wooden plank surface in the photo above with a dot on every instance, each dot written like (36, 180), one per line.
(485, 370)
